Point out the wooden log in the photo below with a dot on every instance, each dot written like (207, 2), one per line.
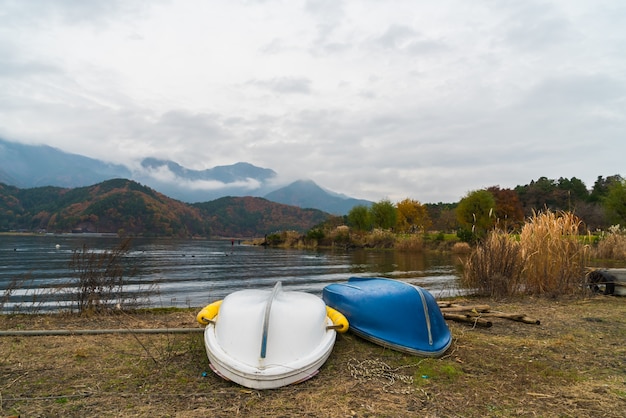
(514, 317)
(460, 308)
(468, 319)
(446, 304)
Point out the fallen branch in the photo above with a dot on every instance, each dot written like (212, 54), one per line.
(513, 317)
(461, 308)
(469, 319)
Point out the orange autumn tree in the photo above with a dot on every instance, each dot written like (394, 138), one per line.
(412, 216)
(508, 211)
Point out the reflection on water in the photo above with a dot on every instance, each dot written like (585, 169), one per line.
(196, 272)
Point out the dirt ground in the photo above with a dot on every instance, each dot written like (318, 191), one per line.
(571, 365)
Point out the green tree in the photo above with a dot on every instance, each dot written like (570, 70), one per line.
(359, 218)
(538, 195)
(383, 214)
(601, 187)
(475, 213)
(615, 202)
(575, 188)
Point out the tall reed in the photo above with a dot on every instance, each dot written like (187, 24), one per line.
(549, 259)
(495, 266)
(554, 254)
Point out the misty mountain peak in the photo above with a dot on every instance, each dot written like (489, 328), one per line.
(225, 173)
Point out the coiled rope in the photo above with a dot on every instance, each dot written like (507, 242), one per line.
(379, 371)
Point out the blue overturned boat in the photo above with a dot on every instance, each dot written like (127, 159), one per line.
(391, 313)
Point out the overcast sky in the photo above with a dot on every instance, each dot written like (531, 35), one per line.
(371, 98)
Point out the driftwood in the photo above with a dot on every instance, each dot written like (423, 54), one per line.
(513, 317)
(459, 308)
(467, 318)
(472, 314)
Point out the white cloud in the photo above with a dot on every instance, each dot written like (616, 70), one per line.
(371, 99)
(164, 175)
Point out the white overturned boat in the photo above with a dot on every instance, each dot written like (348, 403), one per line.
(265, 339)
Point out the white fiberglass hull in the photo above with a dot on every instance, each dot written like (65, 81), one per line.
(266, 347)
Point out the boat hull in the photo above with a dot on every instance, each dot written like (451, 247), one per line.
(264, 339)
(608, 281)
(391, 313)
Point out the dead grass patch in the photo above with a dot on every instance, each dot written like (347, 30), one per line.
(554, 257)
(409, 243)
(612, 245)
(548, 258)
(573, 364)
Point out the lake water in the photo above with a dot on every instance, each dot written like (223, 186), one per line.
(193, 273)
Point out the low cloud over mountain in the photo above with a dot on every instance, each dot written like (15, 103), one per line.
(28, 166)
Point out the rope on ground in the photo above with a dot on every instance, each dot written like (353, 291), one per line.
(379, 371)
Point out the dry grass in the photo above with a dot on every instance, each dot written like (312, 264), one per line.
(380, 238)
(612, 246)
(410, 243)
(340, 236)
(495, 267)
(573, 364)
(549, 259)
(554, 257)
(461, 248)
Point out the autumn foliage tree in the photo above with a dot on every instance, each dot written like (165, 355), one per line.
(509, 212)
(412, 216)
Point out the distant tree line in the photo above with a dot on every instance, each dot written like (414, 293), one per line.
(480, 210)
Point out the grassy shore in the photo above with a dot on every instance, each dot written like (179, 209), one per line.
(571, 365)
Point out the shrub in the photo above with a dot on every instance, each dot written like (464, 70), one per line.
(101, 279)
(315, 234)
(285, 239)
(461, 248)
(274, 239)
(292, 239)
(466, 235)
(340, 235)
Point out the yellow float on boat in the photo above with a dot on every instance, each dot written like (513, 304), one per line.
(206, 315)
(339, 320)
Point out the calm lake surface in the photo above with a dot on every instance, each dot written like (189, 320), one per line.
(193, 273)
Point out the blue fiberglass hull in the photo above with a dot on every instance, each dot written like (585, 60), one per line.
(391, 313)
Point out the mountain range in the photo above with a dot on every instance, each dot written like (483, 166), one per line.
(27, 166)
(125, 207)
